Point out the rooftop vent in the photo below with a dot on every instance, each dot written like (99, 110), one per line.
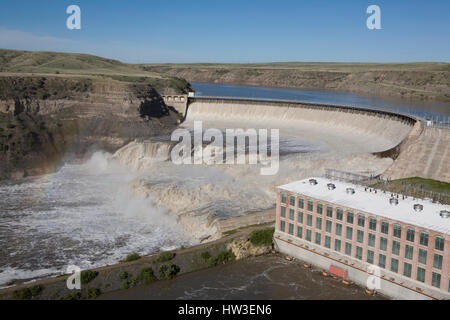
(393, 201)
(350, 191)
(445, 214)
(331, 186)
(312, 182)
(418, 207)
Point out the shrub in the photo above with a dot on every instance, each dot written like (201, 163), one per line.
(132, 257)
(27, 293)
(87, 276)
(206, 255)
(125, 285)
(168, 271)
(72, 296)
(146, 276)
(123, 275)
(165, 256)
(221, 257)
(262, 237)
(92, 293)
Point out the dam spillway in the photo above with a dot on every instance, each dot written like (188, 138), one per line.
(345, 129)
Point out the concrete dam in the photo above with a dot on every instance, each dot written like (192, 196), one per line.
(208, 199)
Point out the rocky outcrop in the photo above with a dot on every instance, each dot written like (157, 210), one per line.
(46, 120)
(243, 248)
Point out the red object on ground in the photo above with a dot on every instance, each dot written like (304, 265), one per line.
(338, 272)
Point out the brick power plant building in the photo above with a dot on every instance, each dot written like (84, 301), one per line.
(348, 229)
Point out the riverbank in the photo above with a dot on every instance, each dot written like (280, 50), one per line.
(143, 270)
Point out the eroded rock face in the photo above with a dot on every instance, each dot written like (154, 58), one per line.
(45, 120)
(243, 248)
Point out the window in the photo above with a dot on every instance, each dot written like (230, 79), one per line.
(407, 267)
(396, 247)
(292, 201)
(422, 256)
(328, 242)
(350, 217)
(349, 233)
(283, 212)
(310, 205)
(437, 262)
(359, 252)
(383, 244)
(291, 214)
(319, 208)
(282, 225)
(371, 240)
(424, 238)
(369, 256)
(338, 229)
(283, 198)
(300, 203)
(329, 211)
(410, 234)
(382, 260)
(291, 229)
(397, 231)
(436, 280)
(339, 214)
(360, 236)
(361, 220)
(439, 243)
(308, 235)
(318, 236)
(309, 220)
(319, 223)
(328, 226)
(384, 227)
(299, 232)
(373, 224)
(348, 249)
(409, 252)
(394, 265)
(337, 245)
(300, 217)
(421, 274)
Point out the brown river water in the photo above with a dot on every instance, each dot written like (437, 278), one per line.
(262, 278)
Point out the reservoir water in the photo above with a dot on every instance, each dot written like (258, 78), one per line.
(429, 109)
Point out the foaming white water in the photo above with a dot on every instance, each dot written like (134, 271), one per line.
(84, 215)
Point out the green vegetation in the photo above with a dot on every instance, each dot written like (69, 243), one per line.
(124, 275)
(92, 293)
(230, 232)
(419, 188)
(221, 258)
(262, 237)
(72, 296)
(168, 271)
(27, 293)
(165, 256)
(87, 276)
(206, 255)
(146, 276)
(125, 285)
(132, 257)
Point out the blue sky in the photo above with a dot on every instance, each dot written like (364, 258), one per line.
(232, 31)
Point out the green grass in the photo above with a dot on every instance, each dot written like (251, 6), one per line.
(72, 296)
(27, 293)
(262, 237)
(146, 276)
(417, 187)
(132, 257)
(165, 256)
(221, 258)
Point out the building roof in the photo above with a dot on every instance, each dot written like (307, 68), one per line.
(375, 203)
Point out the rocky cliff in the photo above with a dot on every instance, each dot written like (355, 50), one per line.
(45, 120)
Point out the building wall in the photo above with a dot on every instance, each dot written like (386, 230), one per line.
(429, 269)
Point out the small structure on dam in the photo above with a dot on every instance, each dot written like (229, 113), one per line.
(359, 233)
